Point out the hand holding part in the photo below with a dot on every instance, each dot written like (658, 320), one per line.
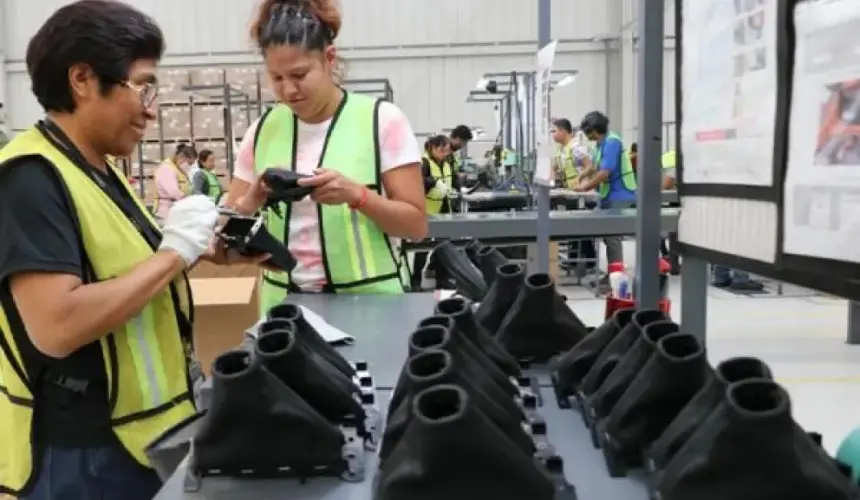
(254, 198)
(189, 227)
(332, 188)
(220, 253)
(284, 186)
(248, 237)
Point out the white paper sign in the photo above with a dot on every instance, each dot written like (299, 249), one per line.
(729, 91)
(822, 185)
(543, 82)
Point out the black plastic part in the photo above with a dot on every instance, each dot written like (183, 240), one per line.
(258, 426)
(504, 291)
(569, 369)
(333, 394)
(757, 450)
(433, 367)
(284, 186)
(307, 334)
(249, 237)
(702, 405)
(539, 324)
(451, 264)
(489, 260)
(466, 325)
(452, 450)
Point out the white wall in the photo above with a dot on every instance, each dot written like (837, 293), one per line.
(433, 52)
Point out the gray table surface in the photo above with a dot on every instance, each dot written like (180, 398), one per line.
(489, 225)
(583, 466)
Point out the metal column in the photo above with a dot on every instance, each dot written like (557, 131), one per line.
(542, 192)
(853, 323)
(649, 197)
(694, 297)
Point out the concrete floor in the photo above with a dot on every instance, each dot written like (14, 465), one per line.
(802, 338)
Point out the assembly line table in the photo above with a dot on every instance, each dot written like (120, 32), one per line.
(563, 224)
(381, 326)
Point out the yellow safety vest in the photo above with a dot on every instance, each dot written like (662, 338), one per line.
(181, 178)
(567, 164)
(434, 197)
(668, 159)
(358, 257)
(145, 359)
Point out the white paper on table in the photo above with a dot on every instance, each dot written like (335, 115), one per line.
(331, 334)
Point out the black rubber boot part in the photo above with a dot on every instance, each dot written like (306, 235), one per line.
(540, 324)
(257, 423)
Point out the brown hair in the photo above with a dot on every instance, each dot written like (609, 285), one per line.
(311, 23)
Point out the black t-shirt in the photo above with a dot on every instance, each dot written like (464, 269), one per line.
(38, 234)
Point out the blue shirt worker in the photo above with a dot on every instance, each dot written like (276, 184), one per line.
(614, 176)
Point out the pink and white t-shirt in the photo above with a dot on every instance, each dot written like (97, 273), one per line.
(398, 146)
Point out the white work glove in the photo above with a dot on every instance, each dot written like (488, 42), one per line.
(443, 188)
(190, 227)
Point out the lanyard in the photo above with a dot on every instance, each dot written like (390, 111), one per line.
(104, 181)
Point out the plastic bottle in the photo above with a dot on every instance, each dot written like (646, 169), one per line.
(619, 282)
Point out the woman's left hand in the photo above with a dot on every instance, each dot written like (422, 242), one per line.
(332, 188)
(218, 253)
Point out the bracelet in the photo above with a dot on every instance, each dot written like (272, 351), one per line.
(362, 200)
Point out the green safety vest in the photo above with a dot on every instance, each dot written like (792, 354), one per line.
(435, 199)
(145, 359)
(455, 161)
(668, 159)
(358, 257)
(567, 163)
(628, 175)
(214, 189)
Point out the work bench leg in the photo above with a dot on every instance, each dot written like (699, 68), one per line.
(853, 323)
(694, 297)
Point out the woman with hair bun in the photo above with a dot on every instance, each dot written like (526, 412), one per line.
(361, 153)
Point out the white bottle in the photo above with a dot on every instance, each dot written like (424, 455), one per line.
(619, 283)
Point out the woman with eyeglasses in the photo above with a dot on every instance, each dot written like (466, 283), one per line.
(359, 153)
(95, 324)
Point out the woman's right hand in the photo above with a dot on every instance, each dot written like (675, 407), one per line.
(254, 198)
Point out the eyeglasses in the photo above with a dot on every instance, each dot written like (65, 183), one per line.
(148, 92)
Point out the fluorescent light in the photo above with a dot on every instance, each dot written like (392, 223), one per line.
(567, 80)
(482, 84)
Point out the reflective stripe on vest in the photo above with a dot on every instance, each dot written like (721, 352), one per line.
(181, 179)
(214, 190)
(358, 257)
(149, 393)
(434, 197)
(627, 174)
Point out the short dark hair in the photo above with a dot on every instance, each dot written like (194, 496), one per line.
(106, 35)
(435, 142)
(564, 124)
(462, 132)
(186, 151)
(634, 148)
(204, 155)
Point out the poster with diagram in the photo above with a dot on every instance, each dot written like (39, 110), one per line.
(729, 73)
(822, 185)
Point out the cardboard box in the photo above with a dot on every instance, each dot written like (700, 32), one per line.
(204, 269)
(223, 309)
